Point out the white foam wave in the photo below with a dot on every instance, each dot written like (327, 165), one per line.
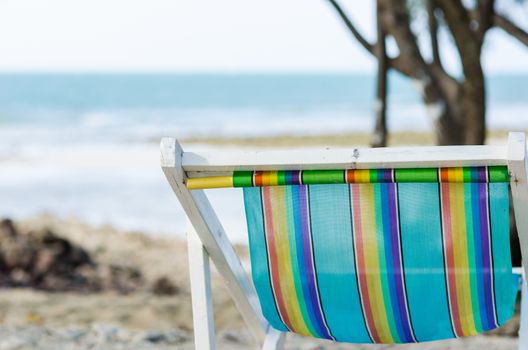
(103, 170)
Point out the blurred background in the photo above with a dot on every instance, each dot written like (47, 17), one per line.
(88, 88)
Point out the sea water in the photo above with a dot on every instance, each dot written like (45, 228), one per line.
(86, 145)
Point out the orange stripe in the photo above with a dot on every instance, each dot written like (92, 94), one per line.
(258, 178)
(350, 176)
(444, 175)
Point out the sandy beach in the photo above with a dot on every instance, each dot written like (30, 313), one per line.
(358, 139)
(141, 318)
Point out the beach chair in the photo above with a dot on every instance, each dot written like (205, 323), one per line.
(385, 245)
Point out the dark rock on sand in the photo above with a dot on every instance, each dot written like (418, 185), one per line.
(164, 286)
(42, 259)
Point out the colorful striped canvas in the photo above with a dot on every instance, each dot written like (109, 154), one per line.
(383, 261)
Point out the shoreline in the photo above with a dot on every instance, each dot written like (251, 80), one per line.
(348, 139)
(119, 183)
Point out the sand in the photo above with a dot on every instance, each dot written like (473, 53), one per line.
(32, 319)
(407, 138)
(107, 337)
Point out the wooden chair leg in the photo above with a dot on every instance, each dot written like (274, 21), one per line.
(274, 340)
(523, 330)
(202, 299)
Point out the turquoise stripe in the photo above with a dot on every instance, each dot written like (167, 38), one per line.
(334, 260)
(423, 260)
(259, 259)
(506, 287)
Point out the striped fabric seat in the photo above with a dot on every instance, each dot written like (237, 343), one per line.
(381, 256)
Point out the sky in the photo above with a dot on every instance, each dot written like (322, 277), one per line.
(202, 36)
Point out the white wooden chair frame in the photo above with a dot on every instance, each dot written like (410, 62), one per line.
(207, 239)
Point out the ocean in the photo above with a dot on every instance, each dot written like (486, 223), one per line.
(86, 145)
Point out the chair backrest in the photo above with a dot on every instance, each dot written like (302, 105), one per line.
(393, 245)
(383, 256)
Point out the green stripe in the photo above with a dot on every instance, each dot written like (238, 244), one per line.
(313, 177)
(242, 179)
(472, 264)
(498, 174)
(281, 178)
(467, 173)
(378, 212)
(290, 219)
(373, 175)
(416, 175)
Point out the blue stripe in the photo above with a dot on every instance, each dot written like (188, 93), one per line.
(477, 236)
(389, 275)
(288, 177)
(303, 274)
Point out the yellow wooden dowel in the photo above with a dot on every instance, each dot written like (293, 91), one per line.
(198, 183)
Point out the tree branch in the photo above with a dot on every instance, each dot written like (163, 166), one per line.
(433, 31)
(486, 9)
(467, 41)
(379, 137)
(359, 37)
(397, 63)
(398, 24)
(510, 28)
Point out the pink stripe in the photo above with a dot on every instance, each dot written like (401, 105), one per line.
(273, 257)
(450, 259)
(360, 264)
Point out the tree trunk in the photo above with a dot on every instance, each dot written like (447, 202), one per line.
(459, 121)
(379, 137)
(444, 106)
(468, 44)
(474, 106)
(457, 109)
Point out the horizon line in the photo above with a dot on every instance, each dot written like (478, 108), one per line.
(216, 72)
